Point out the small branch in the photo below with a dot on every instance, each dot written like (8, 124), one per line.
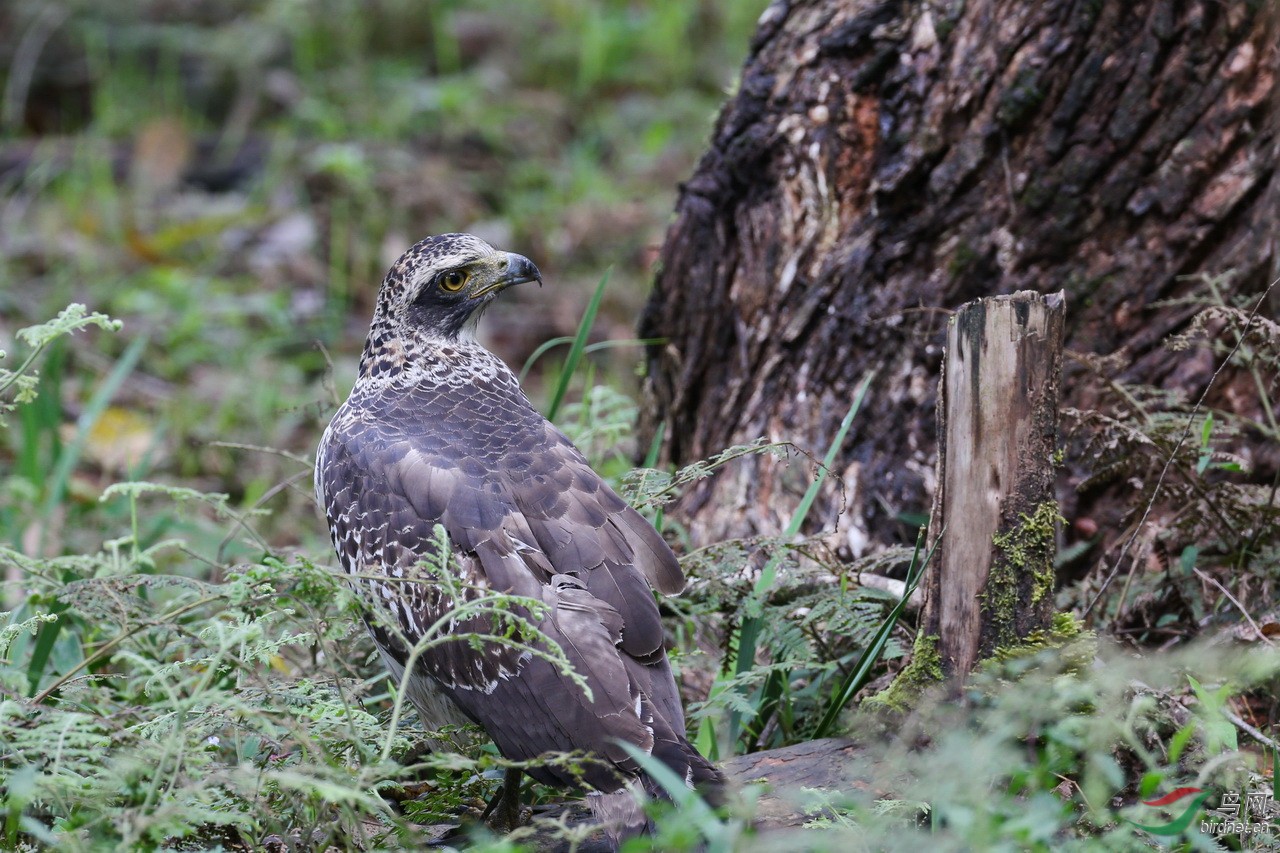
(893, 586)
(275, 451)
(1214, 581)
(1250, 730)
(243, 520)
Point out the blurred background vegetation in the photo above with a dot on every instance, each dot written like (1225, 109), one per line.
(231, 180)
(179, 666)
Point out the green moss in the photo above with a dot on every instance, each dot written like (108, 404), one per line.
(924, 671)
(1065, 632)
(1030, 545)
(1027, 547)
(1067, 625)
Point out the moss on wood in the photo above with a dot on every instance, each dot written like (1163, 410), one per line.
(1025, 550)
(1066, 633)
(924, 671)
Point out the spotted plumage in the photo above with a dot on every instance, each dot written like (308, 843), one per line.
(438, 431)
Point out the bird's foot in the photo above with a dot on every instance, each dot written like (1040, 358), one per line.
(503, 812)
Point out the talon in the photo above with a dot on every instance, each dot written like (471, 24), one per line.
(506, 802)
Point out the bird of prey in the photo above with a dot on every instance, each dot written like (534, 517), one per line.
(437, 431)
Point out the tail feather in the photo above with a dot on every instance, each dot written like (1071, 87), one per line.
(620, 812)
(698, 773)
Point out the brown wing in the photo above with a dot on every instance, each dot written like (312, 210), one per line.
(525, 514)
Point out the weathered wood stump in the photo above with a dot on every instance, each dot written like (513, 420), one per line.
(994, 508)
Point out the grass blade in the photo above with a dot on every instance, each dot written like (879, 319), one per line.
(46, 636)
(770, 572)
(39, 419)
(612, 343)
(688, 803)
(543, 349)
(577, 348)
(97, 404)
(651, 461)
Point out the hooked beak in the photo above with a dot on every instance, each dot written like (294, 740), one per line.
(519, 270)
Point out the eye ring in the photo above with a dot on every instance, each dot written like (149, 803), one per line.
(453, 280)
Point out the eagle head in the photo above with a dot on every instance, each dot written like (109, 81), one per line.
(441, 282)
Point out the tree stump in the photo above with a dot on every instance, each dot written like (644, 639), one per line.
(992, 582)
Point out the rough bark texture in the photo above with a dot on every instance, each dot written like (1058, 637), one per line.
(884, 160)
(995, 508)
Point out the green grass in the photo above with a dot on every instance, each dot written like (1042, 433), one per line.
(743, 659)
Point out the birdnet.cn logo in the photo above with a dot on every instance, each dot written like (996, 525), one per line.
(1241, 813)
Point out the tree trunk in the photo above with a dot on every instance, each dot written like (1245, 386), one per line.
(883, 161)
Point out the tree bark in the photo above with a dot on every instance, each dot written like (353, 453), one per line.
(883, 161)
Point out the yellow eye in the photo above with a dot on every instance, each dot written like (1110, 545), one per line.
(452, 281)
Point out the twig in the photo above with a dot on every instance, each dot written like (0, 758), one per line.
(117, 640)
(243, 520)
(1214, 581)
(893, 586)
(327, 381)
(1250, 730)
(237, 445)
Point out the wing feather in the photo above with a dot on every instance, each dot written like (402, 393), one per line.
(652, 554)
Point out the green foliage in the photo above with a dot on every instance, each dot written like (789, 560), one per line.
(576, 348)
(143, 704)
(1042, 756)
(194, 716)
(823, 637)
(743, 658)
(170, 708)
(650, 488)
(20, 384)
(686, 821)
(858, 677)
